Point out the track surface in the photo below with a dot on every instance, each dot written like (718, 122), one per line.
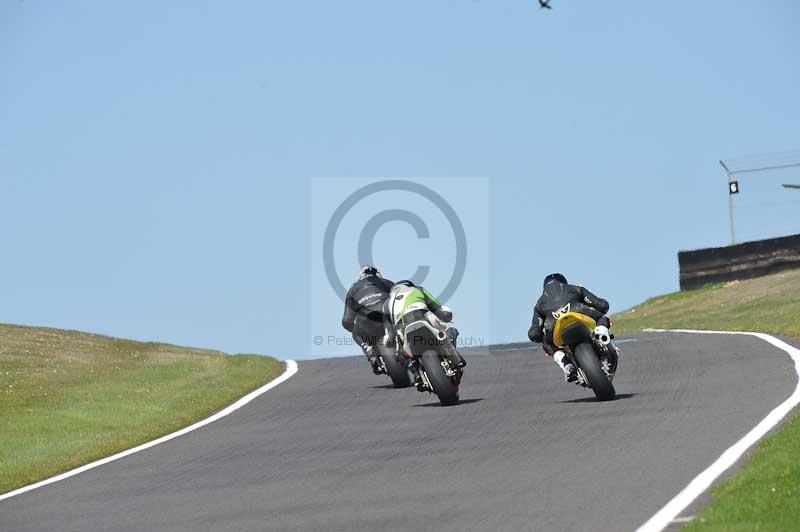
(334, 449)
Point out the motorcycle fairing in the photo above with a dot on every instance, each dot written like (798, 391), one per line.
(573, 328)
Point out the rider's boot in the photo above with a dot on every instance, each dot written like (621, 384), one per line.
(418, 383)
(570, 372)
(602, 335)
(373, 358)
(452, 335)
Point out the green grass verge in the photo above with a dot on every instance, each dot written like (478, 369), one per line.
(68, 398)
(764, 494)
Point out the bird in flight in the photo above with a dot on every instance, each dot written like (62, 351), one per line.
(544, 4)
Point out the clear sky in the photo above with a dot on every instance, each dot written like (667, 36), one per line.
(156, 159)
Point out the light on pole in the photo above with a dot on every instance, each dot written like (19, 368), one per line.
(733, 185)
(733, 188)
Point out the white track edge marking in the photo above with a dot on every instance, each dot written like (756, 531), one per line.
(703, 481)
(291, 369)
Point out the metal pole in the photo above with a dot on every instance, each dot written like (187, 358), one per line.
(765, 168)
(730, 202)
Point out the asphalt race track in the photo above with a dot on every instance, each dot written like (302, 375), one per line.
(335, 449)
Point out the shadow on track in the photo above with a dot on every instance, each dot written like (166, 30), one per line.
(461, 402)
(594, 399)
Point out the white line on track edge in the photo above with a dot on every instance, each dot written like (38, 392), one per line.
(703, 481)
(291, 369)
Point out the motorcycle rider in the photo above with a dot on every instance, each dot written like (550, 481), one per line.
(408, 303)
(559, 297)
(363, 312)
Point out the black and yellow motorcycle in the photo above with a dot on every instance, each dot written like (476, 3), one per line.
(595, 358)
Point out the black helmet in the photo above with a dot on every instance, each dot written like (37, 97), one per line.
(406, 282)
(368, 270)
(555, 277)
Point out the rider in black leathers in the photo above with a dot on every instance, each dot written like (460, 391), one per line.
(556, 296)
(363, 312)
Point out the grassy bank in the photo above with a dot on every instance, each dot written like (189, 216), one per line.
(765, 494)
(768, 304)
(68, 398)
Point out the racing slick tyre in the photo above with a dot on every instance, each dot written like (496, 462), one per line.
(587, 360)
(443, 387)
(395, 368)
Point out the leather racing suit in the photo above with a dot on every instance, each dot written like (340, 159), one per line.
(557, 298)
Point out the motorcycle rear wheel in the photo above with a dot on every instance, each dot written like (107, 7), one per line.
(587, 360)
(396, 370)
(443, 387)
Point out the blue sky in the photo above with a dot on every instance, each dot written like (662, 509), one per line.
(156, 159)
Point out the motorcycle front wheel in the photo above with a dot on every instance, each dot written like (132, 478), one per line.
(587, 360)
(443, 387)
